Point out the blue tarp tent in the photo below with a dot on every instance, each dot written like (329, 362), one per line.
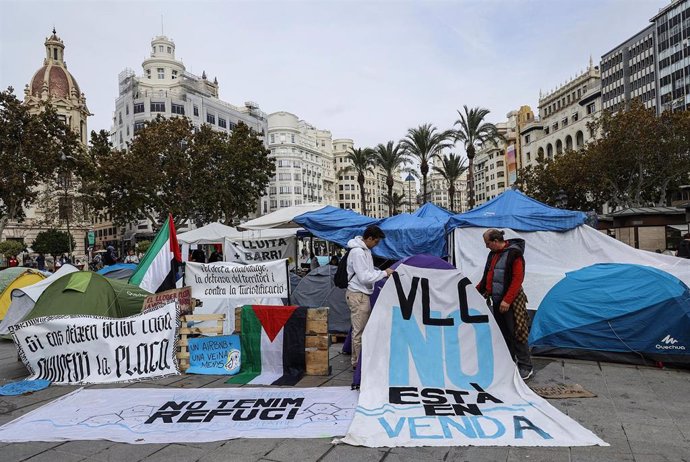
(118, 271)
(519, 212)
(432, 210)
(615, 312)
(406, 234)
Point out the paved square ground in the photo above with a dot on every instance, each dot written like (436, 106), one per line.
(642, 412)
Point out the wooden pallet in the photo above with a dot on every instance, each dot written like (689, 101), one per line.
(316, 341)
(187, 332)
(338, 338)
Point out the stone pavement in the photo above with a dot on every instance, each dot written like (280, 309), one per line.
(642, 412)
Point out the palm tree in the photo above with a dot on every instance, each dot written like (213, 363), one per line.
(362, 162)
(424, 143)
(451, 168)
(390, 158)
(395, 202)
(472, 131)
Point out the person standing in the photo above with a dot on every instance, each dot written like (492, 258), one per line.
(12, 261)
(362, 275)
(684, 247)
(501, 285)
(41, 262)
(131, 257)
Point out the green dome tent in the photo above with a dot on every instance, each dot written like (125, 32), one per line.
(87, 293)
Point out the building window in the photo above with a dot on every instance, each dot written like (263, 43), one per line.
(157, 107)
(160, 48)
(138, 108)
(222, 123)
(126, 109)
(148, 73)
(169, 50)
(526, 139)
(211, 118)
(119, 118)
(232, 125)
(196, 110)
(177, 109)
(138, 126)
(174, 75)
(293, 138)
(273, 138)
(161, 72)
(591, 108)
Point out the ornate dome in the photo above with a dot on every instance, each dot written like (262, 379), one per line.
(54, 76)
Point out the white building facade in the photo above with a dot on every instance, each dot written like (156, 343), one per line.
(304, 164)
(563, 117)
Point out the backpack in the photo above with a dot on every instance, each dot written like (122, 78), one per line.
(340, 278)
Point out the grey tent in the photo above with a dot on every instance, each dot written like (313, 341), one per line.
(317, 289)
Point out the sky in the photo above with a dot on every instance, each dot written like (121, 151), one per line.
(365, 70)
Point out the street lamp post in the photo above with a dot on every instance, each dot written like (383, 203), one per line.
(409, 180)
(67, 203)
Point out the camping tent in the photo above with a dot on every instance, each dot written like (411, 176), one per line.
(557, 241)
(317, 289)
(24, 299)
(432, 210)
(615, 312)
(406, 234)
(281, 218)
(15, 278)
(118, 271)
(87, 293)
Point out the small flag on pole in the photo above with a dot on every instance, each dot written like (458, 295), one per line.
(157, 271)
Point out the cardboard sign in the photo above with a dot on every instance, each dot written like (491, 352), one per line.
(214, 355)
(250, 251)
(233, 280)
(181, 297)
(437, 372)
(95, 349)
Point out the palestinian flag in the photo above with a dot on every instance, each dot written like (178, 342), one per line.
(157, 271)
(272, 340)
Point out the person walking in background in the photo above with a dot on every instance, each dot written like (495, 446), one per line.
(362, 275)
(41, 262)
(501, 285)
(684, 247)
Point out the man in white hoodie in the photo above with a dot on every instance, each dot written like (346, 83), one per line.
(362, 275)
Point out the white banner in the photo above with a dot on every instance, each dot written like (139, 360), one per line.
(94, 349)
(155, 415)
(255, 250)
(234, 280)
(437, 372)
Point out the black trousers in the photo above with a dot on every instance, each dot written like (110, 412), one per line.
(506, 322)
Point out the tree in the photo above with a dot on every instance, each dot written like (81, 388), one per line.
(390, 158)
(11, 248)
(31, 146)
(362, 162)
(637, 161)
(143, 246)
(472, 131)
(231, 172)
(424, 143)
(169, 167)
(52, 242)
(395, 202)
(452, 167)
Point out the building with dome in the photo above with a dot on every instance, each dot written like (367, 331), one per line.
(57, 206)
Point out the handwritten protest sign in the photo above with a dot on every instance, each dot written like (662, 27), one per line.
(95, 349)
(259, 250)
(182, 297)
(234, 280)
(214, 355)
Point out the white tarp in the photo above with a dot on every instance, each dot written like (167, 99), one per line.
(281, 218)
(549, 255)
(151, 415)
(95, 349)
(24, 299)
(437, 372)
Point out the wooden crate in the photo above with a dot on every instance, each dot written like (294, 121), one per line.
(187, 332)
(316, 342)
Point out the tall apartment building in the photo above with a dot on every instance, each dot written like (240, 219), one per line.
(497, 164)
(628, 72)
(304, 164)
(57, 207)
(167, 89)
(672, 26)
(374, 183)
(563, 117)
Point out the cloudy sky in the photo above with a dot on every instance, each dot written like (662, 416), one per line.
(363, 70)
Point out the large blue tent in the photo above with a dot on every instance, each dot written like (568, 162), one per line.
(432, 210)
(617, 312)
(406, 234)
(519, 212)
